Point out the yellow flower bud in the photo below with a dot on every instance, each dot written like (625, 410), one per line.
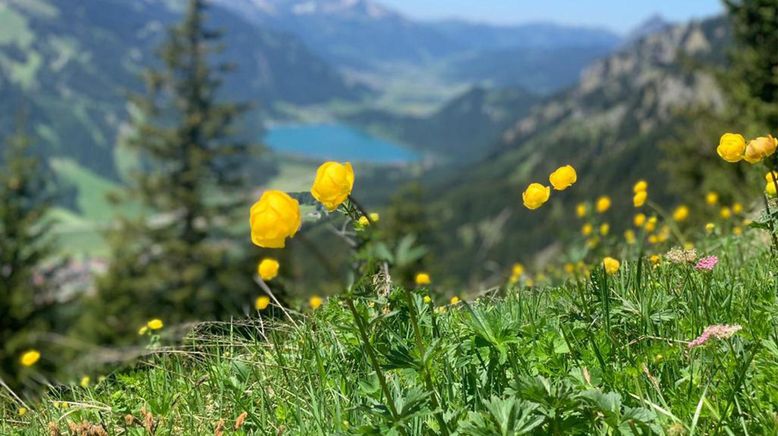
(712, 198)
(454, 300)
(726, 213)
(639, 199)
(275, 217)
(737, 208)
(581, 210)
(681, 213)
(655, 259)
(603, 204)
(769, 189)
(333, 184)
(605, 228)
(563, 177)
(315, 302)
(640, 186)
(586, 230)
(262, 302)
(374, 216)
(30, 358)
(535, 195)
(737, 230)
(517, 270)
(268, 269)
(611, 265)
(423, 279)
(155, 324)
(760, 148)
(427, 299)
(85, 380)
(772, 175)
(709, 228)
(629, 236)
(569, 268)
(639, 220)
(731, 147)
(651, 224)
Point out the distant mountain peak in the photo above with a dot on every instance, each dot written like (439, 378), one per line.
(653, 24)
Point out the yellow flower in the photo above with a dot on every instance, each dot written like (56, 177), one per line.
(611, 265)
(142, 330)
(592, 242)
(155, 324)
(681, 213)
(653, 239)
(563, 177)
(275, 217)
(760, 148)
(517, 270)
(535, 195)
(655, 259)
(726, 213)
(586, 229)
(737, 230)
(454, 300)
(262, 302)
(639, 220)
(629, 236)
(603, 204)
(651, 224)
(639, 199)
(581, 210)
(712, 198)
(84, 383)
(363, 221)
(423, 279)
(688, 246)
(737, 208)
(770, 176)
(569, 268)
(769, 189)
(22, 411)
(640, 186)
(315, 302)
(268, 269)
(529, 283)
(709, 228)
(605, 228)
(427, 299)
(333, 184)
(731, 147)
(374, 216)
(30, 358)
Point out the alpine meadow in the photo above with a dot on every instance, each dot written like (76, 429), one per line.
(345, 217)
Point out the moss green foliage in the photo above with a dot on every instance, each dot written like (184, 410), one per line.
(591, 355)
(179, 257)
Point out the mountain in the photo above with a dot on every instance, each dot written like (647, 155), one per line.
(69, 66)
(653, 24)
(461, 131)
(608, 127)
(362, 35)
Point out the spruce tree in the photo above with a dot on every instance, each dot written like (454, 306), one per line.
(179, 261)
(26, 304)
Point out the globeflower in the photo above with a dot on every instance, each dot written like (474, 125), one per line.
(30, 358)
(581, 210)
(563, 177)
(760, 148)
(629, 236)
(726, 213)
(155, 324)
(651, 224)
(454, 300)
(639, 199)
(711, 198)
(535, 195)
(333, 184)
(603, 204)
(709, 228)
(517, 270)
(262, 302)
(640, 186)
(655, 259)
(268, 269)
(605, 228)
(611, 265)
(275, 217)
(681, 213)
(423, 279)
(639, 220)
(315, 302)
(737, 208)
(586, 229)
(769, 189)
(731, 147)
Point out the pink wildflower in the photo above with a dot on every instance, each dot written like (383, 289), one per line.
(717, 331)
(707, 263)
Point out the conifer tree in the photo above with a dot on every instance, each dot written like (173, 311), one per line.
(182, 260)
(26, 305)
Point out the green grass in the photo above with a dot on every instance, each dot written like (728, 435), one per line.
(590, 354)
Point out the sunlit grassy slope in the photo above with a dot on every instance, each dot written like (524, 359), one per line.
(583, 354)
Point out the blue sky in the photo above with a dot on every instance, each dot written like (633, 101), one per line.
(617, 15)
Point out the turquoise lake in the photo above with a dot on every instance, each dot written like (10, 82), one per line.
(335, 142)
